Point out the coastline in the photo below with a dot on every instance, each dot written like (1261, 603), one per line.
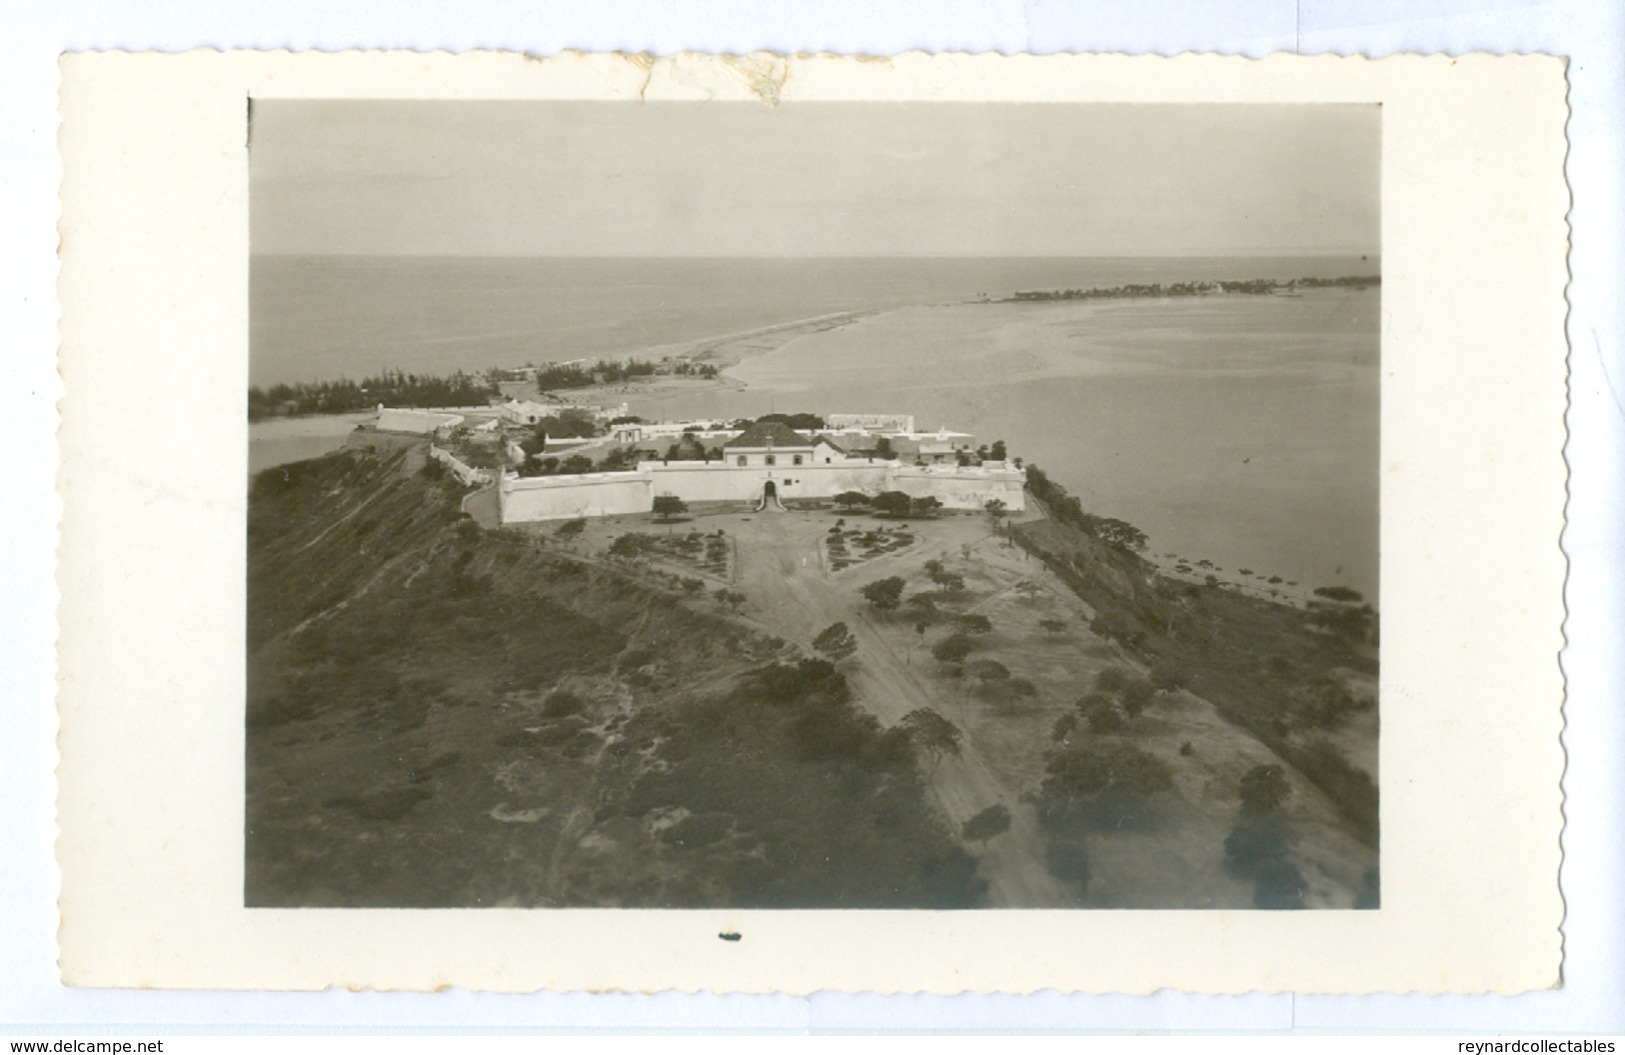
(723, 351)
(1045, 367)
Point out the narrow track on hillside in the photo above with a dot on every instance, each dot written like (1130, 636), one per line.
(781, 576)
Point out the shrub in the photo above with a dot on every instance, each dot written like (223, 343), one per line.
(993, 821)
(1135, 696)
(1279, 886)
(1255, 842)
(1263, 789)
(1168, 676)
(1068, 859)
(1101, 713)
(699, 829)
(1114, 626)
(563, 703)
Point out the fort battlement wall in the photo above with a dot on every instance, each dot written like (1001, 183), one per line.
(540, 498)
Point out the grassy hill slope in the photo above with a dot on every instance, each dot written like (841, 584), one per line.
(444, 716)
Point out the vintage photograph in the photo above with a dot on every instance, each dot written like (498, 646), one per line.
(860, 505)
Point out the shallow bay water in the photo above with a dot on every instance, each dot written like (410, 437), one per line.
(1239, 429)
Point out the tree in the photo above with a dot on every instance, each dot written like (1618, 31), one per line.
(885, 594)
(1021, 688)
(952, 650)
(576, 464)
(668, 506)
(996, 509)
(989, 672)
(836, 641)
(924, 606)
(573, 423)
(997, 452)
(1111, 679)
(931, 733)
(535, 443)
(925, 505)
(1101, 713)
(732, 598)
(1101, 784)
(1263, 789)
(974, 623)
(850, 500)
(629, 546)
(995, 820)
(892, 503)
(1341, 594)
(802, 421)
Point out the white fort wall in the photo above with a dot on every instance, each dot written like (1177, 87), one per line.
(718, 482)
(568, 497)
(962, 488)
(608, 494)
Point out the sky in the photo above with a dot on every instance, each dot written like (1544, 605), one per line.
(812, 179)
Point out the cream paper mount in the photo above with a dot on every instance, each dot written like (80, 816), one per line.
(155, 336)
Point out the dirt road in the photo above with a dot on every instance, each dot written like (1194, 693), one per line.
(787, 587)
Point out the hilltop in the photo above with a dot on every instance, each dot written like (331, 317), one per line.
(808, 708)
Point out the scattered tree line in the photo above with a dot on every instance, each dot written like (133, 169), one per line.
(1254, 286)
(893, 504)
(614, 371)
(801, 422)
(393, 388)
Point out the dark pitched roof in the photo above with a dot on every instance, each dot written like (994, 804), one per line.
(769, 434)
(824, 438)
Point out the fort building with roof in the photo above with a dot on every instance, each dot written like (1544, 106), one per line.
(767, 464)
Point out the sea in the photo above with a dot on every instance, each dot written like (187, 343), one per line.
(1241, 430)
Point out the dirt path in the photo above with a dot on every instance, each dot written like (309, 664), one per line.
(784, 580)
